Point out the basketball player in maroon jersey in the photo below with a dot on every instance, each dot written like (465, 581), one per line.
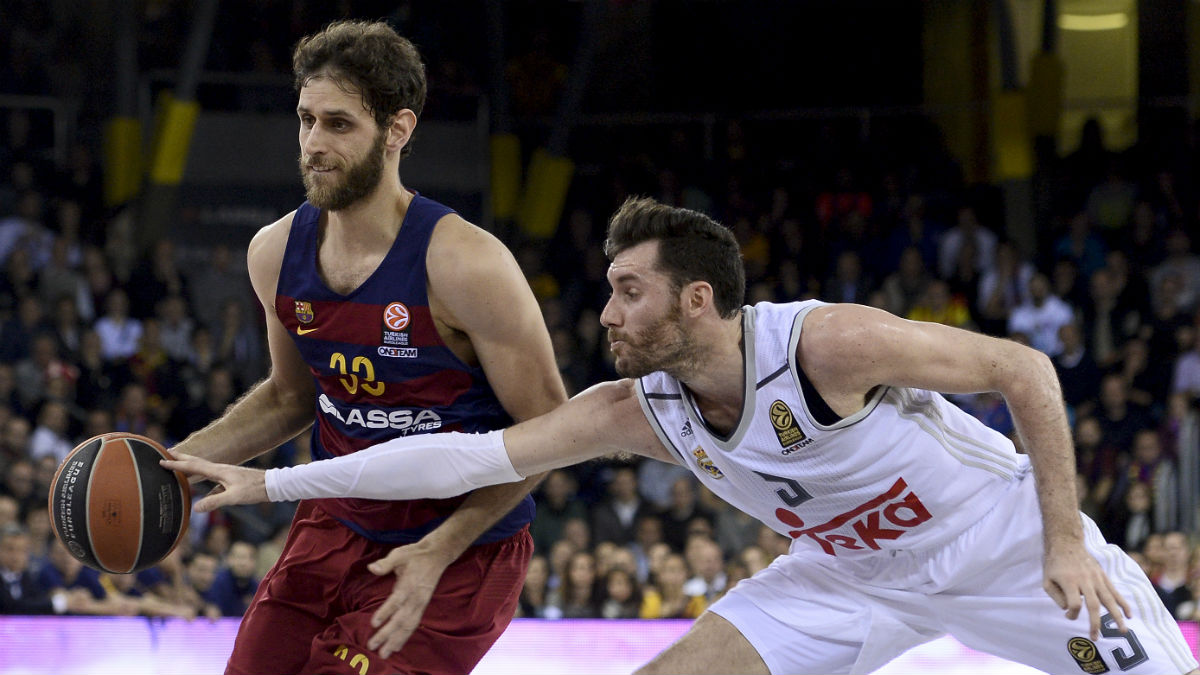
(391, 316)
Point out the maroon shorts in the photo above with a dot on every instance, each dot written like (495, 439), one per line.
(312, 612)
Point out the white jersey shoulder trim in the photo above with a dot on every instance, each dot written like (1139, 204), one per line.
(793, 346)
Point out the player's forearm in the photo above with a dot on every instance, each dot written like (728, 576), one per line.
(482, 509)
(414, 467)
(264, 418)
(1037, 410)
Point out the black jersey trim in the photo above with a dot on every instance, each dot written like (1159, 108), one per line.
(664, 397)
(767, 380)
(820, 410)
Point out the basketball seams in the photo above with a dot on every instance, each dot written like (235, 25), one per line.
(87, 507)
(141, 521)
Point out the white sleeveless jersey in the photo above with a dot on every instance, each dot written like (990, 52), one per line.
(908, 471)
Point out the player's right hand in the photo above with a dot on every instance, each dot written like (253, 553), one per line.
(235, 484)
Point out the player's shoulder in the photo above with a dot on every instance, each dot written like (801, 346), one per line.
(464, 254)
(271, 238)
(264, 255)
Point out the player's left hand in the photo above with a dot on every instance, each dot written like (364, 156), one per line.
(418, 568)
(1073, 579)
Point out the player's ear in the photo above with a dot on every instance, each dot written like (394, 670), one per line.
(696, 297)
(400, 131)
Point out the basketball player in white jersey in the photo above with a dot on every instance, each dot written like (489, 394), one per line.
(909, 518)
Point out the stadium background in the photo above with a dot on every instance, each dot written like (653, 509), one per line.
(933, 158)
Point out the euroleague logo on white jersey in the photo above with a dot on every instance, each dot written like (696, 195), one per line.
(791, 436)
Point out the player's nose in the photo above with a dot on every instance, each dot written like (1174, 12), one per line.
(608, 317)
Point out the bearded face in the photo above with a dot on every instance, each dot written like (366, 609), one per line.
(661, 345)
(333, 187)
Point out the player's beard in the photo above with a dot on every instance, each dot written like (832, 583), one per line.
(663, 345)
(358, 182)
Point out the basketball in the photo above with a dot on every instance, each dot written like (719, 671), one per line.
(114, 507)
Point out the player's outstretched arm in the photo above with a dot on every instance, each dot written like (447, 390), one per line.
(603, 420)
(848, 350)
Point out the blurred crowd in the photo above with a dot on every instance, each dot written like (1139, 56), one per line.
(97, 337)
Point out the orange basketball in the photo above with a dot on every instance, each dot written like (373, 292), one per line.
(114, 507)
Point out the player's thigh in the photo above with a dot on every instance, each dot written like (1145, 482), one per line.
(474, 602)
(711, 645)
(1030, 628)
(798, 616)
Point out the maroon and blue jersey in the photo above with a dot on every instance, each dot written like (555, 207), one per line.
(382, 371)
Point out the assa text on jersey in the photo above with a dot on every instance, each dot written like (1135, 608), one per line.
(885, 517)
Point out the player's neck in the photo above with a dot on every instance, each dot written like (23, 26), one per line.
(717, 379)
(372, 221)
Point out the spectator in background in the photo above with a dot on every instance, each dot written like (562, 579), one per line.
(533, 593)
(1171, 582)
(1041, 317)
(614, 518)
(67, 327)
(50, 438)
(1130, 523)
(1151, 466)
(685, 507)
(19, 332)
(904, 287)
(847, 283)
(578, 595)
(665, 598)
(914, 229)
(1081, 246)
(100, 380)
(1077, 370)
(1107, 323)
(938, 306)
(967, 227)
(1185, 377)
(20, 592)
(622, 595)
(654, 480)
(175, 327)
(239, 344)
(1183, 266)
(119, 332)
(62, 572)
(10, 512)
(200, 573)
(556, 503)
(1095, 459)
(1110, 202)
(235, 582)
(218, 393)
(20, 485)
(1119, 418)
(1003, 288)
(1147, 380)
(133, 412)
(707, 564)
(157, 276)
(33, 374)
(213, 284)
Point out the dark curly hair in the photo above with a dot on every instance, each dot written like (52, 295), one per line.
(692, 247)
(367, 57)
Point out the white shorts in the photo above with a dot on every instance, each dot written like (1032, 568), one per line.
(809, 612)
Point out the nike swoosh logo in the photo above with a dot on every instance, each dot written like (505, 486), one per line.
(304, 331)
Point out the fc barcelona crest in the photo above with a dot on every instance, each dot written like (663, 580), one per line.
(304, 311)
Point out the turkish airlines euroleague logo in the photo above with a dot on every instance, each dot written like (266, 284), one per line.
(396, 318)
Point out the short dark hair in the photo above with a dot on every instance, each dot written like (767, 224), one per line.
(692, 247)
(383, 67)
